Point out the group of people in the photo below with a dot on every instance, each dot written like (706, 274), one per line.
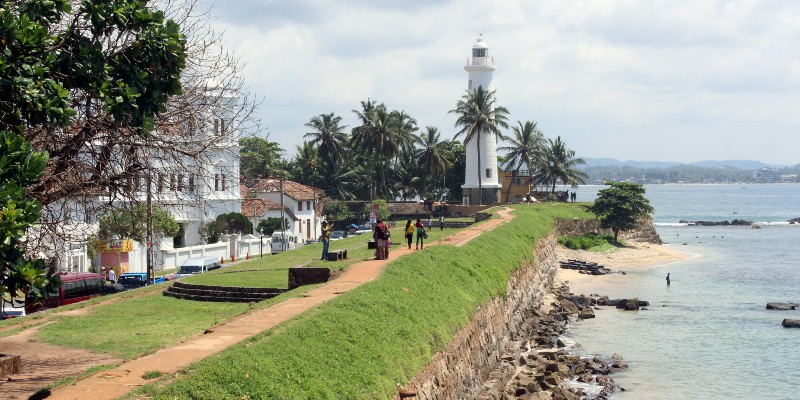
(382, 235)
(108, 274)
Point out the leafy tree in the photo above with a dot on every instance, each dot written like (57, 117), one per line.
(383, 211)
(478, 115)
(270, 225)
(336, 210)
(235, 222)
(621, 207)
(20, 166)
(526, 149)
(456, 174)
(131, 223)
(259, 158)
(232, 222)
(559, 164)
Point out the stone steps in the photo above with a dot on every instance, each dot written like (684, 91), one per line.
(231, 294)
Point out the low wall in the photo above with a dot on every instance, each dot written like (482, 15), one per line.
(458, 371)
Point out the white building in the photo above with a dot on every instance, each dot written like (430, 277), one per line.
(301, 206)
(480, 66)
(193, 191)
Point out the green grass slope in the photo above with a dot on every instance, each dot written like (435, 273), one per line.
(359, 344)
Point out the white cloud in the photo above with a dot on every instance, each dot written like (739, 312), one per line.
(648, 80)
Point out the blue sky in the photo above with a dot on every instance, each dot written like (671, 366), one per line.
(634, 80)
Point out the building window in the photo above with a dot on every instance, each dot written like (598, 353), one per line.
(299, 206)
(160, 178)
(469, 85)
(488, 172)
(180, 182)
(191, 183)
(308, 205)
(219, 182)
(479, 52)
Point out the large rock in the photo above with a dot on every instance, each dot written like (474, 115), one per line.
(781, 306)
(586, 313)
(629, 304)
(569, 307)
(791, 323)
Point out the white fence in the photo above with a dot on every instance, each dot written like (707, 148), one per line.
(235, 245)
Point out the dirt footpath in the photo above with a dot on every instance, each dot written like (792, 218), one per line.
(116, 382)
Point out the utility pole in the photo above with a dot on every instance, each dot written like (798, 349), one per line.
(284, 245)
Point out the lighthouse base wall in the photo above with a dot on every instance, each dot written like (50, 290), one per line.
(485, 196)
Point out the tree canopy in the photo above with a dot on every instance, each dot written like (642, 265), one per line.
(20, 166)
(131, 223)
(75, 76)
(621, 207)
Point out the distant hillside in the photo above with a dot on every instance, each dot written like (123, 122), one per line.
(601, 169)
(737, 164)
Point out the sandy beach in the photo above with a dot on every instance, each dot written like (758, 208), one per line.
(636, 256)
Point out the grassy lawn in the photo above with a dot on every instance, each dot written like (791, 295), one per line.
(125, 328)
(358, 345)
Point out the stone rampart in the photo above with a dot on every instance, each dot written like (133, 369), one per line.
(457, 371)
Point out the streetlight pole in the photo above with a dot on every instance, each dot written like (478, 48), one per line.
(151, 276)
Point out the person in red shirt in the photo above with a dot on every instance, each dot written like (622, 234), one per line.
(420, 234)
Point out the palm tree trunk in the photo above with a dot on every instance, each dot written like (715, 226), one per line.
(480, 182)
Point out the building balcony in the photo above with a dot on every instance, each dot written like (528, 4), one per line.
(480, 61)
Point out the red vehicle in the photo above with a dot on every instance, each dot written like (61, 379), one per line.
(75, 287)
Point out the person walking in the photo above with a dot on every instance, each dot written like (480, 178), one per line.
(112, 276)
(667, 278)
(326, 238)
(409, 233)
(420, 234)
(441, 222)
(430, 223)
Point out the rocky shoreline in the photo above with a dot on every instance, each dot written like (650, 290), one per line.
(538, 365)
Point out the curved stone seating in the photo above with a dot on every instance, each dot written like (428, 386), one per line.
(231, 294)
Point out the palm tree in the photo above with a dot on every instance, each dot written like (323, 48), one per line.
(328, 136)
(477, 116)
(559, 163)
(433, 156)
(382, 135)
(526, 149)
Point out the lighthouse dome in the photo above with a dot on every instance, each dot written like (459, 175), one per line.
(480, 44)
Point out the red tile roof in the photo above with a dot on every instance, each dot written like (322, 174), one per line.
(292, 189)
(258, 208)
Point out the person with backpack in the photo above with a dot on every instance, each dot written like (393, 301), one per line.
(380, 239)
(421, 235)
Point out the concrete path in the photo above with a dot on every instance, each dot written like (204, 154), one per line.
(119, 381)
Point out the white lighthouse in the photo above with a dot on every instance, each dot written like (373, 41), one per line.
(480, 66)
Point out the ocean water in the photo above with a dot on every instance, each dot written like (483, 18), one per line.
(708, 335)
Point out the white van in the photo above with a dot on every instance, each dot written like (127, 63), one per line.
(282, 241)
(194, 266)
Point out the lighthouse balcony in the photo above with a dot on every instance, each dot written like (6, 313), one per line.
(480, 61)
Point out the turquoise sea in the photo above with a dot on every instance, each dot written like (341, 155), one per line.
(708, 335)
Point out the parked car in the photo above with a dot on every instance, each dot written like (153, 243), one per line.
(194, 266)
(133, 280)
(338, 235)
